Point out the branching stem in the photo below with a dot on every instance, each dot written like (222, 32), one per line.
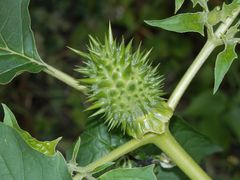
(198, 62)
(166, 141)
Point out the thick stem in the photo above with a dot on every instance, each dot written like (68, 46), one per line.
(64, 78)
(190, 74)
(167, 143)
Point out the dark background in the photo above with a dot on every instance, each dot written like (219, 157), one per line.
(47, 108)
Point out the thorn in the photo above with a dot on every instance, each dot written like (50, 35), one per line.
(110, 36)
(146, 55)
(95, 106)
(100, 111)
(79, 52)
(93, 41)
(88, 80)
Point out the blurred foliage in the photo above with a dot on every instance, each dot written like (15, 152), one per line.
(48, 109)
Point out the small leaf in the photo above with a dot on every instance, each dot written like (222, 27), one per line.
(180, 23)
(202, 3)
(21, 162)
(45, 147)
(142, 173)
(223, 63)
(229, 9)
(18, 51)
(178, 5)
(220, 15)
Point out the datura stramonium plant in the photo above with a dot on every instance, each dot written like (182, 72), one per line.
(124, 87)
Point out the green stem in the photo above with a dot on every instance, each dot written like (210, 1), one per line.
(64, 78)
(198, 62)
(190, 74)
(167, 143)
(118, 152)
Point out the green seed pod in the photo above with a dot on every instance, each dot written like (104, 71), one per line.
(124, 87)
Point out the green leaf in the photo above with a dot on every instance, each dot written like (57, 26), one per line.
(45, 147)
(220, 15)
(18, 51)
(170, 174)
(233, 120)
(196, 144)
(223, 63)
(180, 23)
(142, 173)
(206, 112)
(96, 143)
(202, 3)
(178, 5)
(19, 161)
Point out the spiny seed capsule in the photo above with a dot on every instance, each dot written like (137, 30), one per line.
(124, 87)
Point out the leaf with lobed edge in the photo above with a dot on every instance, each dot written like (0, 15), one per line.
(20, 161)
(45, 147)
(18, 51)
(221, 14)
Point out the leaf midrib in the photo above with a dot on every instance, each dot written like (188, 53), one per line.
(39, 62)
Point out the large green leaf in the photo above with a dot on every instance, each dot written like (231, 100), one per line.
(17, 46)
(97, 142)
(19, 161)
(233, 120)
(223, 63)
(196, 144)
(142, 173)
(180, 23)
(207, 113)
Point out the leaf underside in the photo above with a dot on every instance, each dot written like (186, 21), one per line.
(18, 51)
